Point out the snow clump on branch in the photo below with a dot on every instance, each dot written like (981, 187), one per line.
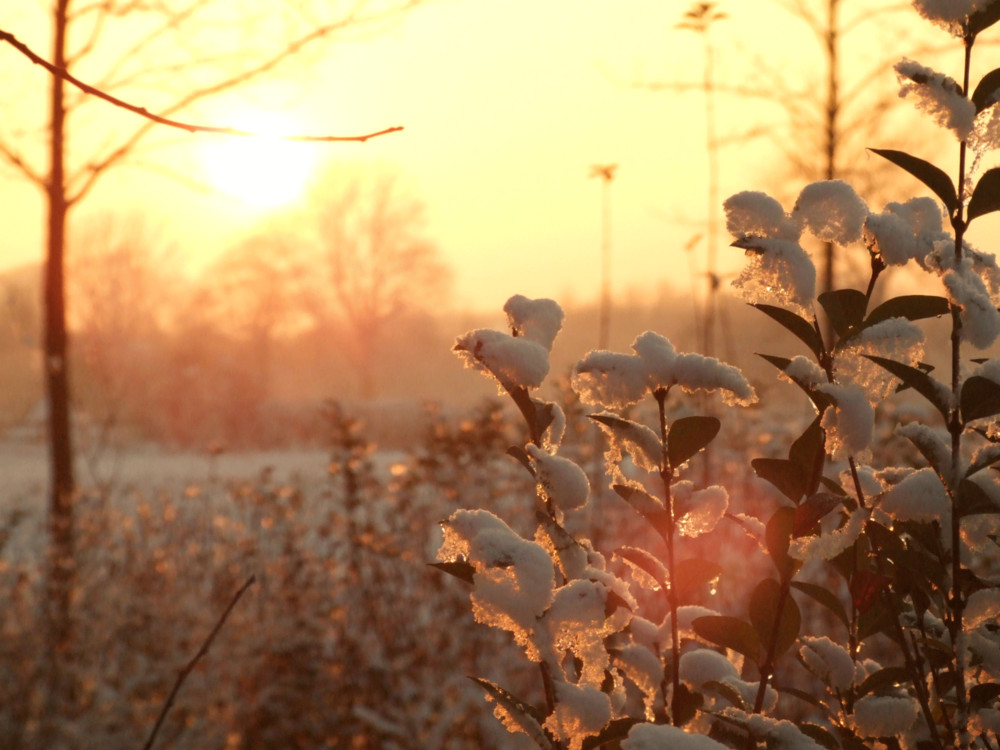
(618, 380)
(519, 359)
(939, 96)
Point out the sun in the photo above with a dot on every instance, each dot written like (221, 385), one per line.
(266, 171)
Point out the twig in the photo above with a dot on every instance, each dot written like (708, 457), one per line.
(189, 127)
(183, 674)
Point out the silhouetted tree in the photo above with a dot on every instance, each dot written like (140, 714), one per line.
(184, 52)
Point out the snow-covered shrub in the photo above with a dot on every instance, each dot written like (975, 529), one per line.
(876, 625)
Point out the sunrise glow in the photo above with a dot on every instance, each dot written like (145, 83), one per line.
(265, 171)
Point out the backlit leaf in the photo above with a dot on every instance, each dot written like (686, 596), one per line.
(774, 615)
(845, 308)
(458, 568)
(812, 509)
(916, 379)
(823, 596)
(529, 719)
(796, 324)
(693, 575)
(729, 632)
(986, 196)
(986, 89)
(980, 398)
(866, 588)
(688, 435)
(909, 306)
(778, 534)
(933, 177)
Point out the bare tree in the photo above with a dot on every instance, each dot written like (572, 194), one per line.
(179, 53)
(377, 261)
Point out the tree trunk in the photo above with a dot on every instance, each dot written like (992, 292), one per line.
(59, 581)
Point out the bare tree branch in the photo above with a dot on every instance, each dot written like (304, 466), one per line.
(182, 675)
(160, 120)
(13, 158)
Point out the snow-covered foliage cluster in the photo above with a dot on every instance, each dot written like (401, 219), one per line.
(878, 616)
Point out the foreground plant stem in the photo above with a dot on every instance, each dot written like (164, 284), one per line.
(666, 474)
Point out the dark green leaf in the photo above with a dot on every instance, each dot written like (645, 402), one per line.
(803, 695)
(919, 380)
(909, 306)
(986, 196)
(641, 559)
(459, 568)
(986, 89)
(824, 597)
(798, 326)
(982, 696)
(883, 679)
(537, 414)
(729, 632)
(933, 177)
(812, 509)
(774, 615)
(783, 474)
(688, 435)
(821, 400)
(845, 308)
(778, 534)
(866, 587)
(692, 575)
(529, 719)
(614, 732)
(819, 735)
(980, 398)
(688, 703)
(809, 449)
(727, 691)
(645, 505)
(521, 456)
(983, 18)
(973, 500)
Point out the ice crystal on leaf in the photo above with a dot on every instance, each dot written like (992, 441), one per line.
(563, 483)
(829, 544)
(779, 272)
(580, 712)
(756, 214)
(514, 578)
(700, 510)
(951, 15)
(619, 380)
(832, 211)
(778, 734)
(576, 623)
(849, 424)
(904, 231)
(939, 96)
(610, 379)
(966, 290)
(692, 372)
(983, 607)
(897, 339)
(537, 320)
(884, 715)
(700, 667)
(829, 661)
(511, 361)
(918, 497)
(659, 736)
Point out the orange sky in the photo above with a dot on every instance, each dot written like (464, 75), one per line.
(506, 105)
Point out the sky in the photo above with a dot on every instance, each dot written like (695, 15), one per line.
(505, 107)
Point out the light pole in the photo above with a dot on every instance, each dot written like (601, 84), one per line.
(606, 172)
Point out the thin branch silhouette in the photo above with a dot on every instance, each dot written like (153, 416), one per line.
(189, 127)
(182, 675)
